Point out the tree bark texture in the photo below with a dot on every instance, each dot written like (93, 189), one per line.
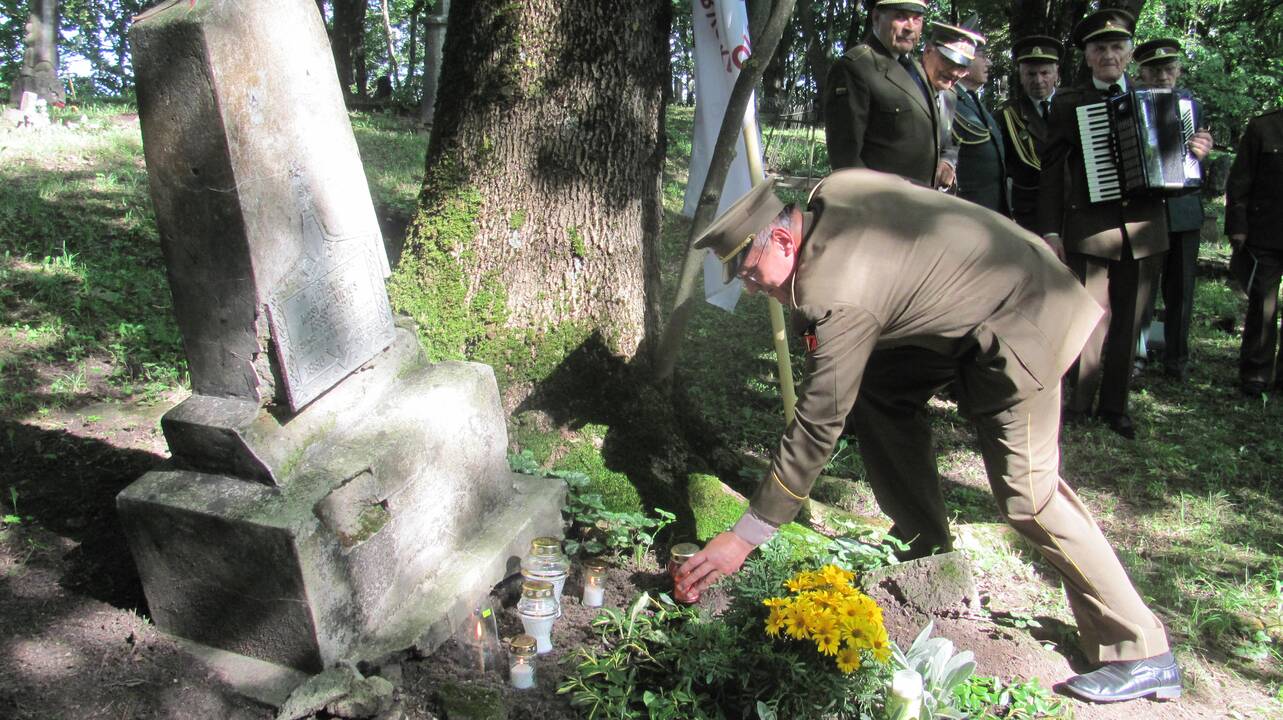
(433, 54)
(543, 183)
(347, 39)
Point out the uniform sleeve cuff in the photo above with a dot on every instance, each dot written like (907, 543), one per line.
(752, 529)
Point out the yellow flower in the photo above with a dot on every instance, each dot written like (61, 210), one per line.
(835, 575)
(827, 640)
(794, 622)
(848, 659)
(775, 622)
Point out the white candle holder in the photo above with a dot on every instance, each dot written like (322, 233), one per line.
(538, 610)
(480, 637)
(521, 662)
(594, 582)
(547, 562)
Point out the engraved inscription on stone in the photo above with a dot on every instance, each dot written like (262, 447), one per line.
(333, 314)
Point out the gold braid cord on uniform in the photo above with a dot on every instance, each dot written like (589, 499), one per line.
(1021, 139)
(792, 494)
(973, 134)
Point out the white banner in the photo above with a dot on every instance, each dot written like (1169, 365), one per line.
(721, 46)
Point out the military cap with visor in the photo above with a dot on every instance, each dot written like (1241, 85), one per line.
(917, 6)
(1108, 24)
(733, 236)
(1037, 49)
(958, 44)
(1153, 52)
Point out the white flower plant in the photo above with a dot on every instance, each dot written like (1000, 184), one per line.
(923, 688)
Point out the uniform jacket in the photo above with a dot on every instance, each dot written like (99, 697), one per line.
(1024, 135)
(876, 116)
(1185, 211)
(947, 111)
(1254, 192)
(981, 158)
(1087, 228)
(886, 264)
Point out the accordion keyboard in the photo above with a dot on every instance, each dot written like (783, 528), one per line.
(1192, 169)
(1104, 178)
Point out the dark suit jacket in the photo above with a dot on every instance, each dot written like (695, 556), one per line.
(1254, 192)
(1097, 229)
(887, 264)
(982, 176)
(876, 116)
(1024, 137)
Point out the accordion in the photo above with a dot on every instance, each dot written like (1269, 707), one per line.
(1135, 144)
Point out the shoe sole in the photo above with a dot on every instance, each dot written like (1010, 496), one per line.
(1162, 694)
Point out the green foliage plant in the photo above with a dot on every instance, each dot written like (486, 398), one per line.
(664, 661)
(941, 671)
(860, 549)
(601, 530)
(984, 697)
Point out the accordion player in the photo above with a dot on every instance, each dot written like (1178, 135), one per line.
(1136, 144)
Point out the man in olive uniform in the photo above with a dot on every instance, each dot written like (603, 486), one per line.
(1115, 247)
(1024, 121)
(894, 287)
(879, 110)
(1253, 218)
(1160, 67)
(946, 58)
(982, 174)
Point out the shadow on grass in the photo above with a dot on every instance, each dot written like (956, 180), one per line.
(68, 485)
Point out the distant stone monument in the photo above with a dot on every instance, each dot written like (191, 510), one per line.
(39, 70)
(332, 495)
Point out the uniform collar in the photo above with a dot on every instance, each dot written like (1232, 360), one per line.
(1049, 98)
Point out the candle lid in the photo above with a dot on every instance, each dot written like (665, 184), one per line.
(683, 551)
(536, 588)
(545, 546)
(596, 564)
(523, 644)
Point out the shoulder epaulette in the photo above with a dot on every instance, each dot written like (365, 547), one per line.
(858, 52)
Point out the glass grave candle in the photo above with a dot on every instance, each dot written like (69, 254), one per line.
(677, 555)
(546, 562)
(594, 582)
(481, 636)
(521, 662)
(538, 609)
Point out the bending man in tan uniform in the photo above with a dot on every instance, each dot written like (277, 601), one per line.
(902, 290)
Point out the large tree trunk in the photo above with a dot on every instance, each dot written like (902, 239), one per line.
(433, 54)
(540, 214)
(347, 40)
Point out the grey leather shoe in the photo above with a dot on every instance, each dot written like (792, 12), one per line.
(1130, 679)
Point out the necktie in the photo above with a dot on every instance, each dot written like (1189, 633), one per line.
(913, 73)
(1044, 108)
(1115, 90)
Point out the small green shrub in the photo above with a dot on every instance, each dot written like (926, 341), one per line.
(602, 530)
(984, 697)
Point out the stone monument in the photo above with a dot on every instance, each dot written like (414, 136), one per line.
(332, 495)
(39, 70)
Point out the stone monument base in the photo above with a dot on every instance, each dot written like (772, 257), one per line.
(370, 522)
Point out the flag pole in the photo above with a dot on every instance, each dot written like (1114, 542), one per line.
(782, 359)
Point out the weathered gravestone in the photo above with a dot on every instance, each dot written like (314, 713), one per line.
(332, 496)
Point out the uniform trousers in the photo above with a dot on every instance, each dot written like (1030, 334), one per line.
(1178, 296)
(1261, 328)
(1122, 287)
(1019, 441)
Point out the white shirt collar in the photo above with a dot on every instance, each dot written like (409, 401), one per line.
(1102, 86)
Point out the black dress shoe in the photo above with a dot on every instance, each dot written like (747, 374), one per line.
(1252, 388)
(1114, 682)
(1120, 423)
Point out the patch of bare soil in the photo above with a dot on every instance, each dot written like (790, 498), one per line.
(75, 640)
